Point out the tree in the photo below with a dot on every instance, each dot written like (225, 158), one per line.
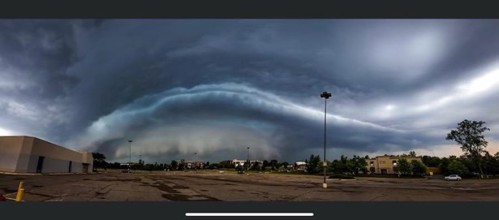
(284, 165)
(469, 134)
(182, 165)
(491, 164)
(313, 165)
(444, 166)
(412, 154)
(338, 166)
(273, 164)
(213, 166)
(359, 164)
(255, 166)
(456, 167)
(496, 166)
(226, 164)
(470, 165)
(174, 164)
(418, 168)
(99, 160)
(265, 164)
(140, 165)
(403, 166)
(431, 161)
(348, 166)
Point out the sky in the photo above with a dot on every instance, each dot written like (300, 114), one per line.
(206, 89)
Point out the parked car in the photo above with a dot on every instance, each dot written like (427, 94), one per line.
(453, 177)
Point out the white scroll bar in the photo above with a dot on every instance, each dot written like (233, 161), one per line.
(251, 214)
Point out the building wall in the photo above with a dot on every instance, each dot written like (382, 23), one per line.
(57, 159)
(385, 164)
(87, 158)
(9, 153)
(24, 155)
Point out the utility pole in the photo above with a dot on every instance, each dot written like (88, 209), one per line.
(129, 155)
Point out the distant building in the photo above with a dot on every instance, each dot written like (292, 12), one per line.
(387, 164)
(24, 154)
(300, 166)
(194, 164)
(237, 162)
(433, 170)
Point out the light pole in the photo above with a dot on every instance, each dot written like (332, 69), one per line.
(326, 96)
(247, 160)
(129, 155)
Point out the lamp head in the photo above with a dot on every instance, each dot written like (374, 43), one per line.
(325, 95)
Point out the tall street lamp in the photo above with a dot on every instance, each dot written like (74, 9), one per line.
(129, 155)
(326, 96)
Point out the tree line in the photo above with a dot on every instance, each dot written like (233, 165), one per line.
(469, 134)
(356, 165)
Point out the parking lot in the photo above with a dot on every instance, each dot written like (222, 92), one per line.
(212, 185)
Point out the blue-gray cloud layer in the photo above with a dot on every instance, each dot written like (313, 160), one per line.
(212, 87)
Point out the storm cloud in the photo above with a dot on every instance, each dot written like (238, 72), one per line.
(179, 87)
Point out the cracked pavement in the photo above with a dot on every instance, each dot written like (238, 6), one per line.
(212, 185)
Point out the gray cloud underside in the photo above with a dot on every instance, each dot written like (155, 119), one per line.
(222, 120)
(215, 86)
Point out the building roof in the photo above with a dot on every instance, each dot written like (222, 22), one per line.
(35, 138)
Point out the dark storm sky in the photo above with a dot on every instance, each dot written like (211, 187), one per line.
(213, 87)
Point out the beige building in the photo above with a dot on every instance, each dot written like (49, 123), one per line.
(300, 166)
(24, 154)
(237, 162)
(387, 164)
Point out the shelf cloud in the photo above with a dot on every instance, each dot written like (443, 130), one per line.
(179, 87)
